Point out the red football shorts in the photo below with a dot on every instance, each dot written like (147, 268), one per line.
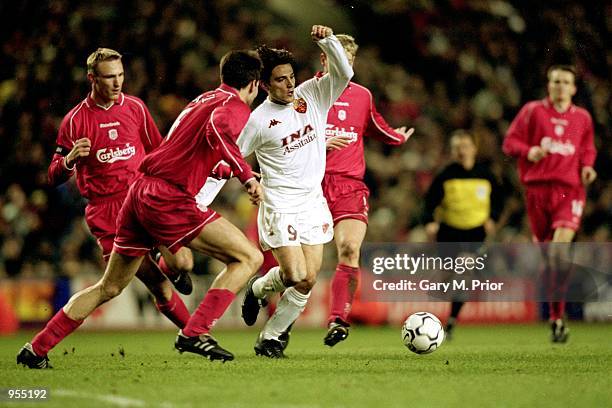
(552, 206)
(101, 218)
(155, 213)
(346, 198)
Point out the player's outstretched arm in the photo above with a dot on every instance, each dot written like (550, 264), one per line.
(405, 132)
(379, 129)
(222, 133)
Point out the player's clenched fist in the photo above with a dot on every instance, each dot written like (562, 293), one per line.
(536, 153)
(80, 149)
(320, 32)
(255, 191)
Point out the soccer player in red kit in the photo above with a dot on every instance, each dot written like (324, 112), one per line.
(352, 117)
(553, 141)
(103, 140)
(160, 209)
(119, 130)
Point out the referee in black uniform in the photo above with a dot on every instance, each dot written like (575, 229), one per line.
(462, 203)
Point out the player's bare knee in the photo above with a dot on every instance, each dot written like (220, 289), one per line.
(110, 290)
(292, 276)
(306, 285)
(254, 258)
(184, 264)
(349, 250)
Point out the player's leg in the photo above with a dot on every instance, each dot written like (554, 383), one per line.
(539, 213)
(119, 272)
(177, 267)
(567, 205)
(167, 301)
(348, 234)
(222, 240)
(294, 299)
(559, 261)
(281, 233)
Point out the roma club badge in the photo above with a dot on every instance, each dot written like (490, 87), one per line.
(300, 105)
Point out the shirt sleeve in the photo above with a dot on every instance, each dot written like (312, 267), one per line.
(250, 138)
(588, 153)
(326, 89)
(379, 129)
(150, 135)
(497, 196)
(57, 172)
(433, 198)
(516, 142)
(222, 133)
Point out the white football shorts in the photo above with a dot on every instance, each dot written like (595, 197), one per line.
(312, 226)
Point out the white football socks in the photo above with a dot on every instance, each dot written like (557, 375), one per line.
(269, 283)
(288, 309)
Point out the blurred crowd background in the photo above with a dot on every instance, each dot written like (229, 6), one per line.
(431, 64)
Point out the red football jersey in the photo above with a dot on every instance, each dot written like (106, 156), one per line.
(354, 115)
(120, 135)
(566, 136)
(204, 133)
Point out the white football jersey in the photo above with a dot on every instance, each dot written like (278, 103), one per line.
(289, 140)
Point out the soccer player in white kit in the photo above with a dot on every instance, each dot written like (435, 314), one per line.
(287, 134)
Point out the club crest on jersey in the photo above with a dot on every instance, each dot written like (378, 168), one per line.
(113, 134)
(300, 105)
(112, 155)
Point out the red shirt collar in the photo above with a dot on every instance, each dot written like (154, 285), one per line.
(230, 89)
(92, 104)
(548, 103)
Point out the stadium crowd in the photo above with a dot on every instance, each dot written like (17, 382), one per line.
(433, 65)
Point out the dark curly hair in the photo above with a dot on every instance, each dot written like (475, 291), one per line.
(271, 58)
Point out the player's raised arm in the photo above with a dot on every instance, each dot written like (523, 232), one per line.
(330, 86)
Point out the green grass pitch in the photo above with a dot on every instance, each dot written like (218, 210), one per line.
(495, 366)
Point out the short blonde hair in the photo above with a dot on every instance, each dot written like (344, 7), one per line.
(348, 43)
(99, 55)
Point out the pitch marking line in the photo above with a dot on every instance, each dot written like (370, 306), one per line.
(117, 400)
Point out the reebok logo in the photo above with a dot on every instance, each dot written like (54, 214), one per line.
(110, 124)
(274, 122)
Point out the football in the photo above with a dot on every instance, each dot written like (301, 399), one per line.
(422, 333)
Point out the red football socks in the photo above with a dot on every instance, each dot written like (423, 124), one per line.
(343, 289)
(175, 310)
(210, 310)
(59, 327)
